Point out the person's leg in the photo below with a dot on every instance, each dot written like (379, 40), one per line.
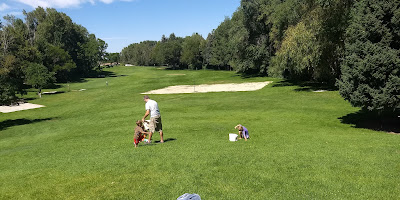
(152, 127)
(161, 136)
(151, 134)
(135, 143)
(158, 127)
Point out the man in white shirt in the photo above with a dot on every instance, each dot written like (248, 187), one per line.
(155, 117)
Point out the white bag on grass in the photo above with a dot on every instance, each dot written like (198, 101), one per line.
(188, 196)
(233, 137)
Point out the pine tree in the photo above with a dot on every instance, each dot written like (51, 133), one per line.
(371, 67)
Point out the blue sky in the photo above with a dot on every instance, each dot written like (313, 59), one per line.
(123, 22)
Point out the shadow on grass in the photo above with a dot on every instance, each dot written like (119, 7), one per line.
(166, 140)
(371, 120)
(16, 122)
(28, 99)
(105, 74)
(101, 74)
(245, 76)
(95, 74)
(157, 142)
(53, 93)
(122, 75)
(53, 86)
(306, 86)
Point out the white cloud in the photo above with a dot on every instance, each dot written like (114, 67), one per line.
(53, 3)
(4, 7)
(62, 3)
(107, 1)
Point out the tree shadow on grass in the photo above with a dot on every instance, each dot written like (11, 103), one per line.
(28, 99)
(306, 86)
(16, 122)
(54, 86)
(101, 74)
(246, 76)
(122, 75)
(362, 119)
(53, 93)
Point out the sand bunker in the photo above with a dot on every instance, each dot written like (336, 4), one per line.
(231, 87)
(21, 106)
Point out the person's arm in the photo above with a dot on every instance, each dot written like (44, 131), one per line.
(145, 115)
(144, 132)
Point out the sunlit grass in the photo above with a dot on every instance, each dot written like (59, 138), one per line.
(80, 145)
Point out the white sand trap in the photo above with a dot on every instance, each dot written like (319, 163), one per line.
(51, 92)
(319, 91)
(231, 87)
(21, 106)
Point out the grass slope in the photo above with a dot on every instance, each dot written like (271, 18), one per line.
(80, 145)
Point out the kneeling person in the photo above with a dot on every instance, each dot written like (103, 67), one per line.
(140, 134)
(243, 132)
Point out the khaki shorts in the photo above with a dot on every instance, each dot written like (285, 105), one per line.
(155, 124)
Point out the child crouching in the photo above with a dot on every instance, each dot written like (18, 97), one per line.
(243, 132)
(140, 134)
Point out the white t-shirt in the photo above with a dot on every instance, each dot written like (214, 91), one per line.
(153, 107)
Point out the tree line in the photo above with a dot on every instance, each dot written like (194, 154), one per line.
(176, 52)
(44, 48)
(353, 45)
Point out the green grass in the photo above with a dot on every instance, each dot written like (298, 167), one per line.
(80, 145)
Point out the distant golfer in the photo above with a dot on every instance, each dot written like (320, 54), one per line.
(155, 117)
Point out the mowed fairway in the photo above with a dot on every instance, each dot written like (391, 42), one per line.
(80, 145)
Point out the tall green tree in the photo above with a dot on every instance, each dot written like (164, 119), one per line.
(168, 51)
(139, 53)
(46, 38)
(253, 52)
(334, 18)
(113, 57)
(371, 68)
(218, 46)
(298, 55)
(191, 51)
(89, 55)
(38, 76)
(56, 29)
(324, 22)
(11, 74)
(57, 60)
(11, 79)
